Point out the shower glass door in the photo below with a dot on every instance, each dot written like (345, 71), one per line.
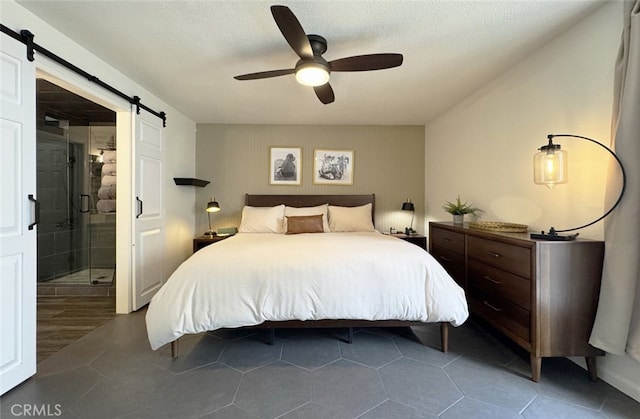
(77, 230)
(63, 232)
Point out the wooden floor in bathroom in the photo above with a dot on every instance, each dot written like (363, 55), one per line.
(64, 319)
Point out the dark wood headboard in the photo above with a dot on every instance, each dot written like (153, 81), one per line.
(312, 200)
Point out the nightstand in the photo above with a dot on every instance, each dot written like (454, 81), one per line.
(417, 239)
(204, 241)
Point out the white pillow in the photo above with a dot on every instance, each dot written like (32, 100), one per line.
(342, 219)
(305, 211)
(262, 219)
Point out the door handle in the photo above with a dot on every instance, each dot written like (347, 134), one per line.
(84, 199)
(36, 207)
(139, 201)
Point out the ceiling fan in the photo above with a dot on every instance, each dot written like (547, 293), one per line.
(312, 69)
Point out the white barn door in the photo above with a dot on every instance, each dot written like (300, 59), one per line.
(149, 220)
(18, 241)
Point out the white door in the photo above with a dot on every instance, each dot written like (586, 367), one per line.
(18, 213)
(149, 229)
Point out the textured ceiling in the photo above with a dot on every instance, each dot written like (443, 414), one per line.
(187, 52)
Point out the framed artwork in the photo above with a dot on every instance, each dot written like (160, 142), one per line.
(332, 167)
(285, 166)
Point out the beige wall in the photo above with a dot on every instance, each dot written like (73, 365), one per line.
(483, 147)
(388, 161)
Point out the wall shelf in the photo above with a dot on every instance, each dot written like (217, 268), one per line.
(190, 181)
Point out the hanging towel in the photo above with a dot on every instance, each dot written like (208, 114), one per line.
(108, 180)
(106, 205)
(109, 156)
(109, 169)
(107, 192)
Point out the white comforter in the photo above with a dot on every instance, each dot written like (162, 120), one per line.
(253, 277)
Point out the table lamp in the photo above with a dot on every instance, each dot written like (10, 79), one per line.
(550, 169)
(212, 206)
(408, 206)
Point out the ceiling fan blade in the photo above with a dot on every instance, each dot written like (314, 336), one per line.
(366, 62)
(292, 31)
(265, 74)
(325, 93)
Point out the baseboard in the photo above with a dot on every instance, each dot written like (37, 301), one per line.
(614, 378)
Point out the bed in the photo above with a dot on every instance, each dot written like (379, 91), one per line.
(305, 261)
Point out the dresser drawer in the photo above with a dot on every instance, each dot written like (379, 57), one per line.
(447, 239)
(501, 313)
(514, 259)
(451, 261)
(497, 282)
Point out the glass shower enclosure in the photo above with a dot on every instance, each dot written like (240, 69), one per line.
(76, 241)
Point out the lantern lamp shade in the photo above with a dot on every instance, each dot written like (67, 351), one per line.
(550, 166)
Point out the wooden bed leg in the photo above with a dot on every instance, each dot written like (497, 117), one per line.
(174, 349)
(350, 335)
(272, 336)
(444, 336)
(592, 367)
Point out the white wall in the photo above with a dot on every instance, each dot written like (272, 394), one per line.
(179, 134)
(564, 87)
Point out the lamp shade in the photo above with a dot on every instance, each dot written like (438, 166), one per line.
(550, 165)
(312, 74)
(213, 206)
(408, 206)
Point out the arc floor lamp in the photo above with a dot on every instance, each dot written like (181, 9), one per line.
(550, 169)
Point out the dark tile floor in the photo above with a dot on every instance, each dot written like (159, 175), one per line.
(386, 373)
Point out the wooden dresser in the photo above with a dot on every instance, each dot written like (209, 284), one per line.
(542, 295)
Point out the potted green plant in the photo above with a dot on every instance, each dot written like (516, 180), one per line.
(458, 209)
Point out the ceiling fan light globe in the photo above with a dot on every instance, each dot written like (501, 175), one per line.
(312, 74)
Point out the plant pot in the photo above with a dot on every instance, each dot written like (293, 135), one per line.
(458, 218)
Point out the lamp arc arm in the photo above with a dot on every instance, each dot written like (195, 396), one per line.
(624, 178)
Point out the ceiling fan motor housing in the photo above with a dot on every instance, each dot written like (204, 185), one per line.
(318, 44)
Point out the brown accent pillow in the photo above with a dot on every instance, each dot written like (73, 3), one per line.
(305, 224)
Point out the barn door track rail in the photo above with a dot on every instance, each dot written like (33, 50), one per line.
(26, 38)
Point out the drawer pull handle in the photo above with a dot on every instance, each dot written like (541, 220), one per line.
(494, 254)
(446, 259)
(492, 307)
(446, 239)
(488, 278)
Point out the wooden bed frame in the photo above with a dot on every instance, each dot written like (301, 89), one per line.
(310, 201)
